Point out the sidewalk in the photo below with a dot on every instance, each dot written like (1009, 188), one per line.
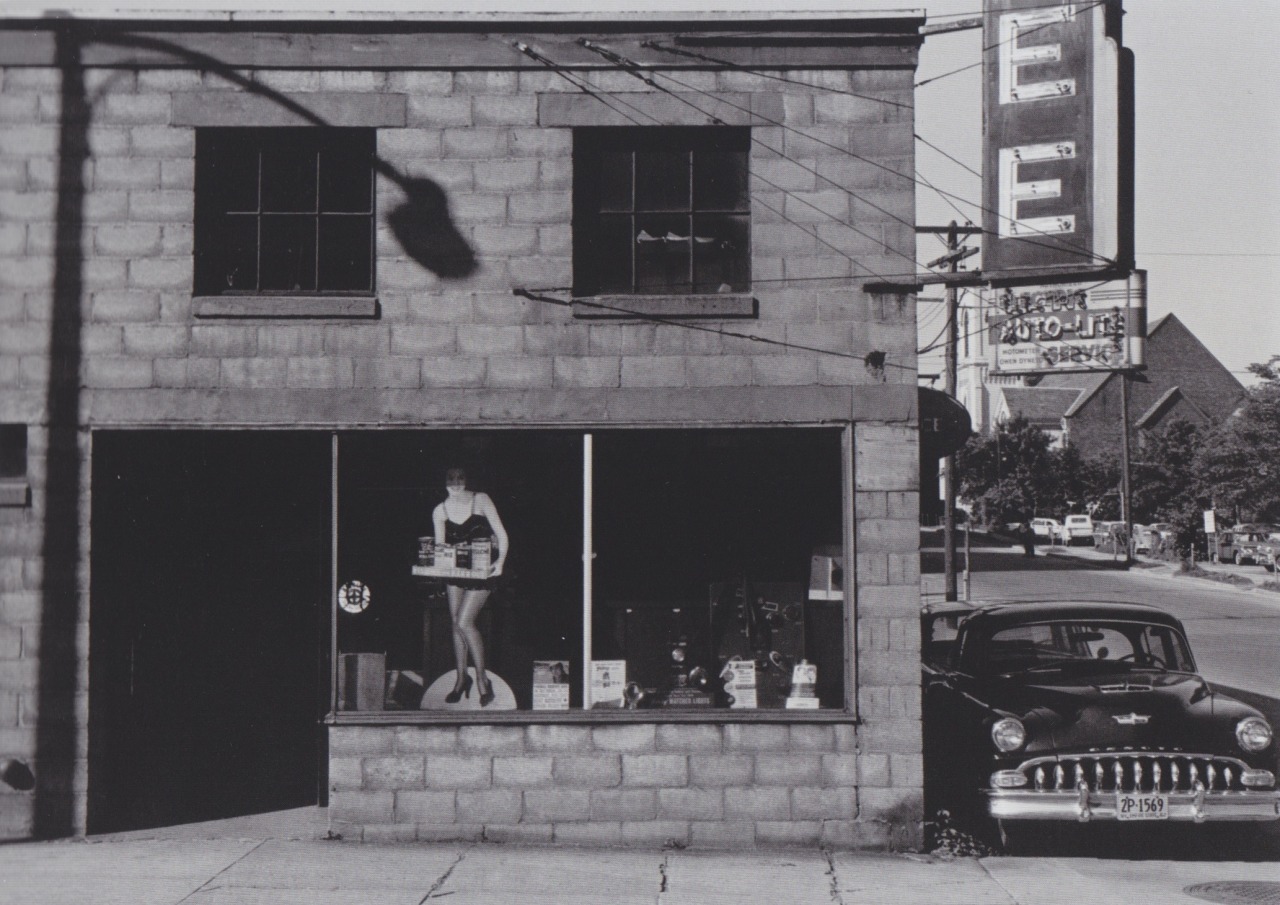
(280, 869)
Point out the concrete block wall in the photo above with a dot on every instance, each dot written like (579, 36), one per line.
(483, 138)
(708, 786)
(469, 351)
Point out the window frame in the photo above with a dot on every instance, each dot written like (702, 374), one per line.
(844, 712)
(221, 148)
(592, 210)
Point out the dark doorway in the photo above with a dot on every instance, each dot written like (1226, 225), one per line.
(208, 626)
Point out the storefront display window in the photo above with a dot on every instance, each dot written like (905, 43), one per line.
(665, 570)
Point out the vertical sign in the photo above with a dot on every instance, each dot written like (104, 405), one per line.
(1053, 138)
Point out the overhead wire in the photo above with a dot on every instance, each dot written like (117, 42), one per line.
(781, 214)
(650, 318)
(631, 68)
(954, 160)
(635, 69)
(1018, 36)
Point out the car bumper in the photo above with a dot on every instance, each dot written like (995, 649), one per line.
(1083, 806)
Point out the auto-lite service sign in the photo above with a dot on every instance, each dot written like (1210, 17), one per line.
(1057, 175)
(1098, 326)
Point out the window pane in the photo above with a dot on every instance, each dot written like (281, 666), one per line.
(234, 172)
(662, 180)
(389, 484)
(615, 181)
(721, 253)
(700, 562)
(288, 253)
(720, 181)
(345, 253)
(288, 175)
(611, 249)
(346, 179)
(662, 253)
(236, 255)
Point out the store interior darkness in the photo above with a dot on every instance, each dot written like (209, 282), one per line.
(683, 520)
(209, 625)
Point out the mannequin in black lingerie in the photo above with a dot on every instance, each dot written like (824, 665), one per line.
(467, 515)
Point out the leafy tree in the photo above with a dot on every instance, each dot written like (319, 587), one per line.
(1239, 463)
(1163, 473)
(1007, 475)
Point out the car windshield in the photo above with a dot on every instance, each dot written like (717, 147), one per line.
(1064, 644)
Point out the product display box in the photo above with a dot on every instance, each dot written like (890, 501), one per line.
(469, 560)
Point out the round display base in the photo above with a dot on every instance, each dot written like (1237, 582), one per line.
(433, 698)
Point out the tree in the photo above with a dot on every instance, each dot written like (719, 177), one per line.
(1007, 475)
(1239, 462)
(1163, 473)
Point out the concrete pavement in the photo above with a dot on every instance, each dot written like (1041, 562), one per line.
(268, 861)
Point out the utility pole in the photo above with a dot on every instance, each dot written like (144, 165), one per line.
(955, 254)
(1126, 483)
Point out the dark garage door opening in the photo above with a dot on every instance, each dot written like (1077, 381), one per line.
(208, 624)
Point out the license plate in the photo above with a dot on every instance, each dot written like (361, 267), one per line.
(1141, 806)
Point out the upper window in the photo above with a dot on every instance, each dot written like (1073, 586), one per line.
(284, 211)
(661, 210)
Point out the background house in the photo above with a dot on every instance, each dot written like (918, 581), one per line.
(1182, 381)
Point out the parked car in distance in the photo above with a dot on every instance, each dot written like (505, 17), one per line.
(1143, 537)
(1049, 529)
(1240, 544)
(1107, 532)
(1268, 552)
(1077, 528)
(1082, 712)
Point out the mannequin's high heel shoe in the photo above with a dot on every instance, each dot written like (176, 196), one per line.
(455, 696)
(486, 694)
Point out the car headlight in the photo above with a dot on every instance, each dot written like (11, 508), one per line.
(1253, 733)
(1009, 734)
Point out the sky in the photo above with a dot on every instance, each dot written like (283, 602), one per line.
(1207, 110)
(1207, 141)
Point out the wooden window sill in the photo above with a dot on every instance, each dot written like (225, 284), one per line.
(717, 306)
(286, 307)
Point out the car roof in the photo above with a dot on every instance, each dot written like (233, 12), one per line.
(1000, 615)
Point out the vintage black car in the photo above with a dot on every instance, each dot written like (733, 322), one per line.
(1080, 712)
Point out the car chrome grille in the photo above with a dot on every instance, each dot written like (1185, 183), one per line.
(1131, 771)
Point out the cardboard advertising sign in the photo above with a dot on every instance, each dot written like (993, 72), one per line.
(550, 684)
(608, 683)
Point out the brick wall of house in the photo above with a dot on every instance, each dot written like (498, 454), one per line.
(1175, 358)
(465, 352)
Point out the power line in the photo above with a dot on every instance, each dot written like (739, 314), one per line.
(737, 67)
(686, 325)
(954, 160)
(1060, 245)
(649, 318)
(882, 277)
(1019, 35)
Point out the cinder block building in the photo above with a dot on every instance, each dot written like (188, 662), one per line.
(263, 280)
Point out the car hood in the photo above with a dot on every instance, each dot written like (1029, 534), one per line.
(1138, 710)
